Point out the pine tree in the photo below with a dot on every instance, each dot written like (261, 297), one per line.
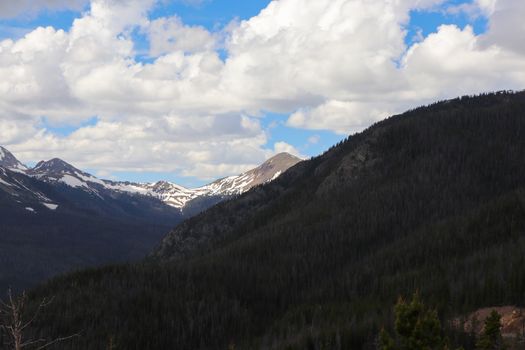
(491, 338)
(416, 328)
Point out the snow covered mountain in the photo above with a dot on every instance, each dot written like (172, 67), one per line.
(14, 182)
(178, 196)
(58, 172)
(24, 190)
(268, 171)
(7, 160)
(55, 185)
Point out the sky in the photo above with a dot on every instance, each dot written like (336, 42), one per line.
(193, 90)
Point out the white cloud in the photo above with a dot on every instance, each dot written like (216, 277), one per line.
(487, 6)
(453, 62)
(506, 26)
(191, 146)
(301, 53)
(281, 146)
(16, 131)
(314, 139)
(342, 116)
(170, 34)
(330, 64)
(339, 68)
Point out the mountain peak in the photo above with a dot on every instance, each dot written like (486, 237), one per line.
(283, 157)
(160, 186)
(57, 170)
(266, 172)
(8, 160)
(276, 165)
(55, 166)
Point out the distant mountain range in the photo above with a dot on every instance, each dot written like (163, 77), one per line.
(55, 217)
(58, 172)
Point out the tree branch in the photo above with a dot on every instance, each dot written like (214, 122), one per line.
(58, 340)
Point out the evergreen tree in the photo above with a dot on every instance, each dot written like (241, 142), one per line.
(491, 338)
(416, 328)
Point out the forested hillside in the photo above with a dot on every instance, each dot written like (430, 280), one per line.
(431, 200)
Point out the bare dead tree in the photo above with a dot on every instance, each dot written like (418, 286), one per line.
(14, 323)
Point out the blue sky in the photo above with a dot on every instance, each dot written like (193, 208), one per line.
(215, 15)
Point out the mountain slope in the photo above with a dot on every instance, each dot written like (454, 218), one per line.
(7, 160)
(60, 186)
(266, 172)
(431, 200)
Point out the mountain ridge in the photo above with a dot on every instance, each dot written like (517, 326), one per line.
(57, 170)
(8, 160)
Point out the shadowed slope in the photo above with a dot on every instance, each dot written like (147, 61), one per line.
(433, 200)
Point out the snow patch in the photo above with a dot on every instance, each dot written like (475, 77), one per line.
(127, 188)
(277, 174)
(18, 169)
(90, 178)
(50, 206)
(72, 181)
(30, 209)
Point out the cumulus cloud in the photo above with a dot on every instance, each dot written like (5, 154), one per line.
(170, 34)
(281, 146)
(336, 65)
(296, 53)
(506, 26)
(453, 61)
(171, 144)
(343, 116)
(487, 6)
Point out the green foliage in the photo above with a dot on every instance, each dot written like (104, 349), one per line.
(491, 338)
(416, 328)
